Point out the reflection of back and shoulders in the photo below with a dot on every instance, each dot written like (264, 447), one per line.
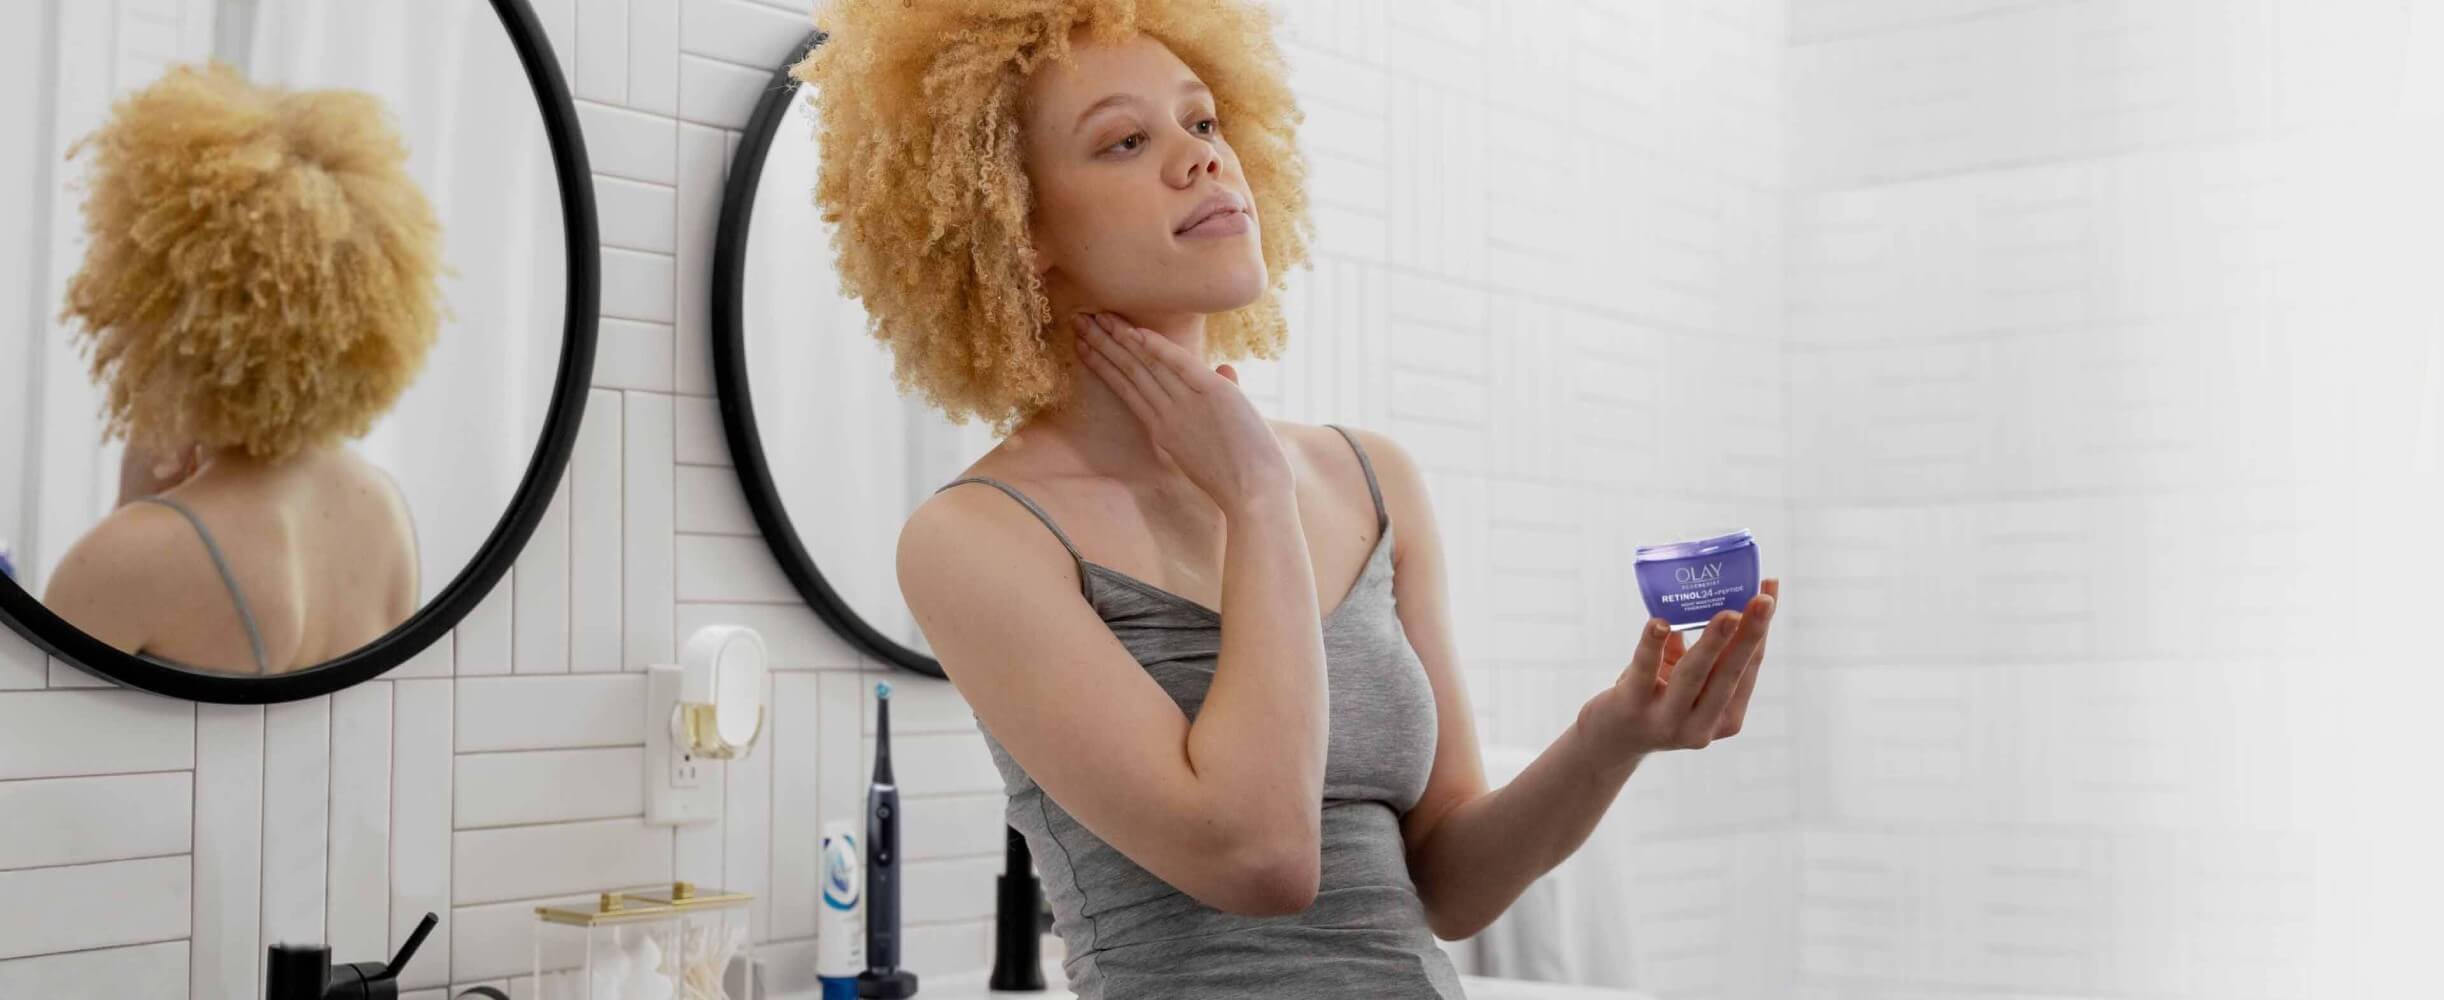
(317, 552)
(281, 311)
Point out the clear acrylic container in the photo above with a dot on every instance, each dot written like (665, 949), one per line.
(683, 944)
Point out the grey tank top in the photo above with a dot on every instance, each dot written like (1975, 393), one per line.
(1131, 936)
(229, 579)
(246, 616)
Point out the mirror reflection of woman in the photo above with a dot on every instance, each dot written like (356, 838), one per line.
(1208, 650)
(260, 285)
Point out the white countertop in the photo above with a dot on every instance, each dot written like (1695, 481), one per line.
(970, 986)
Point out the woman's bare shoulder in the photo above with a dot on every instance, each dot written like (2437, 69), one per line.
(108, 581)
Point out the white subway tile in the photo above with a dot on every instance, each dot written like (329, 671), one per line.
(954, 948)
(635, 215)
(711, 502)
(23, 665)
(595, 537)
(702, 177)
(747, 827)
(637, 285)
(526, 862)
(63, 733)
(496, 939)
(702, 441)
(953, 826)
(559, 19)
(543, 713)
(939, 763)
(602, 50)
(727, 568)
(735, 31)
(795, 731)
(539, 627)
(420, 809)
(717, 93)
(548, 786)
(145, 970)
(296, 818)
(71, 821)
(647, 552)
(626, 143)
(948, 889)
(841, 779)
(227, 954)
(699, 847)
(653, 56)
(482, 637)
(632, 354)
(64, 674)
(95, 906)
(794, 637)
(359, 881)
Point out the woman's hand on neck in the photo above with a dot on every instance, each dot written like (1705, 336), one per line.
(1105, 435)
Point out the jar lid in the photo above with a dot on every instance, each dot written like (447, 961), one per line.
(625, 907)
(1699, 547)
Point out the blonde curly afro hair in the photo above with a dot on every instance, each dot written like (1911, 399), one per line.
(262, 272)
(919, 111)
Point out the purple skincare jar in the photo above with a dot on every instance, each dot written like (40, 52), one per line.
(1687, 583)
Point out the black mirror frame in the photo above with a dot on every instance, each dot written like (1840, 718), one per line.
(433, 622)
(737, 400)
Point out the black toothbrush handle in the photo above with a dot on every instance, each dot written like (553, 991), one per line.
(883, 879)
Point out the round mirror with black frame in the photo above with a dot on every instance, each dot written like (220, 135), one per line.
(793, 363)
(316, 322)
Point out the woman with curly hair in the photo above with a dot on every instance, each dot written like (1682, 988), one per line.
(1222, 697)
(259, 287)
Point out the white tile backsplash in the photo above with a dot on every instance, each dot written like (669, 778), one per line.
(61, 733)
(148, 970)
(558, 859)
(546, 713)
(71, 821)
(357, 888)
(297, 763)
(23, 666)
(101, 905)
(548, 786)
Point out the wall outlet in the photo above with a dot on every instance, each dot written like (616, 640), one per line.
(680, 787)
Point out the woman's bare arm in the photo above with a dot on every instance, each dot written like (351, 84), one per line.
(1227, 810)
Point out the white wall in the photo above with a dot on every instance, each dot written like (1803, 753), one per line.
(1552, 262)
(2114, 361)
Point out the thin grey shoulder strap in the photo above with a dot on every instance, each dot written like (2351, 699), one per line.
(1083, 586)
(254, 636)
(1383, 518)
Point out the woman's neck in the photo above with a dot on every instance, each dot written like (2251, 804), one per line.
(1093, 424)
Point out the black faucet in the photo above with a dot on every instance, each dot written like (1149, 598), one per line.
(305, 972)
(1019, 919)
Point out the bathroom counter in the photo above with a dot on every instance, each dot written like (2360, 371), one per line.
(970, 986)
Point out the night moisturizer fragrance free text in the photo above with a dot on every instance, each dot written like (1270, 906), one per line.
(1687, 583)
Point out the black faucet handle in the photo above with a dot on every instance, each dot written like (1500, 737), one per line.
(377, 980)
(407, 949)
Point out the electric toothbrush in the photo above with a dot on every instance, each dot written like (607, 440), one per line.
(883, 976)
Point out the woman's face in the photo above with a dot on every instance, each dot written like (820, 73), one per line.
(1123, 149)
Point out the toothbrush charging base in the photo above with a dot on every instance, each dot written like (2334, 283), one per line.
(894, 984)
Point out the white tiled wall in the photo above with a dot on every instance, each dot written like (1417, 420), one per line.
(1550, 261)
(2091, 328)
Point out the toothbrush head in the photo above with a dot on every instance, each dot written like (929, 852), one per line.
(882, 689)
